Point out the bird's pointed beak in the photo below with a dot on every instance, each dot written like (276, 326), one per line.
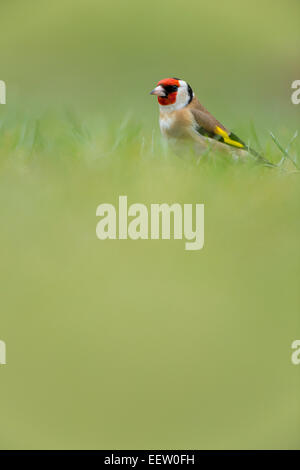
(158, 91)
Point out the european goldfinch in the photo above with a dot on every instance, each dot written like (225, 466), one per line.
(183, 119)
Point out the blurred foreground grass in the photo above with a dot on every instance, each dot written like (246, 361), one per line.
(140, 344)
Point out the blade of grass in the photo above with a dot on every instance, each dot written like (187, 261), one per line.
(292, 141)
(254, 133)
(284, 152)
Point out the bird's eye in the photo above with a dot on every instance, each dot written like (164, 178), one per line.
(170, 88)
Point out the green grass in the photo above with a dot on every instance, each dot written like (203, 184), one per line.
(140, 344)
(90, 139)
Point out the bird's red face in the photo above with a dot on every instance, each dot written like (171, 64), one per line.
(166, 91)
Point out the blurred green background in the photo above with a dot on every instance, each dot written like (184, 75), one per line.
(140, 344)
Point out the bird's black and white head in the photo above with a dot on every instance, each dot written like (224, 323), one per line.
(173, 94)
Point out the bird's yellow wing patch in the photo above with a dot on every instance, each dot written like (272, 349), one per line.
(227, 139)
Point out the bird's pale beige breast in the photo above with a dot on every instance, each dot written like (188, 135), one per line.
(175, 124)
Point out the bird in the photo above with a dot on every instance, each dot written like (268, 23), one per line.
(183, 119)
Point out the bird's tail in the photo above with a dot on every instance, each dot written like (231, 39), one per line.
(260, 158)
